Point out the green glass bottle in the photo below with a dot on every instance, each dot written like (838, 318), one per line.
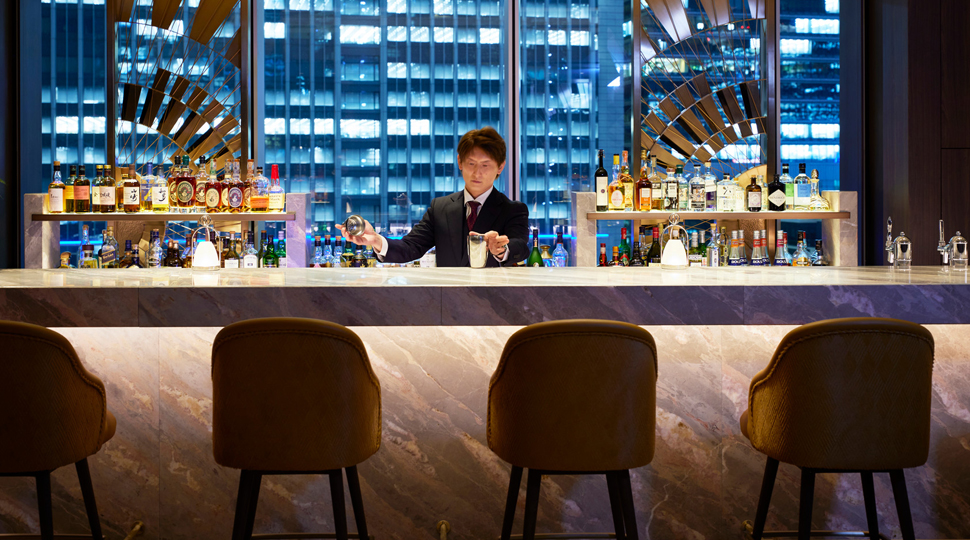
(269, 255)
(347, 257)
(535, 258)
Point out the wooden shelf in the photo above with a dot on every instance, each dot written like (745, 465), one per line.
(598, 216)
(148, 216)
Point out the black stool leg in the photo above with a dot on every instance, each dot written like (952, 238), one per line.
(869, 495)
(805, 504)
(515, 482)
(902, 504)
(357, 501)
(613, 485)
(45, 505)
(87, 491)
(629, 511)
(533, 484)
(242, 527)
(253, 501)
(339, 511)
(764, 500)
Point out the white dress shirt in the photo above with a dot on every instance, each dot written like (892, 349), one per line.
(468, 210)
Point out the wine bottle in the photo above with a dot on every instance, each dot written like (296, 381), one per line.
(654, 255)
(601, 183)
(535, 258)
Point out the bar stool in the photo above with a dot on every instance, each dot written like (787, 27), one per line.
(574, 397)
(54, 414)
(843, 395)
(294, 396)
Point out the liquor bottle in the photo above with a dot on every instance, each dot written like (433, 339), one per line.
(249, 186)
(317, 261)
(85, 257)
(109, 191)
(260, 198)
(133, 175)
(683, 190)
(185, 187)
(347, 257)
(250, 258)
(644, 191)
(740, 196)
(602, 181)
(734, 256)
(146, 186)
(234, 187)
(616, 257)
(753, 192)
(277, 199)
(281, 260)
(803, 189)
(698, 192)
(212, 197)
(776, 195)
(710, 189)
(155, 251)
(629, 186)
(702, 246)
(232, 257)
(602, 255)
(781, 250)
(817, 202)
(656, 186)
(269, 259)
(109, 249)
(96, 189)
(559, 256)
(654, 254)
(644, 248)
(725, 194)
(670, 191)
(327, 251)
(743, 247)
(694, 257)
(819, 259)
(800, 257)
(119, 184)
(55, 192)
(171, 179)
(359, 261)
(69, 189)
(624, 244)
(65, 260)
(789, 187)
(125, 258)
(371, 257)
(535, 258)
(201, 187)
(757, 259)
(159, 190)
(615, 190)
(132, 194)
(636, 258)
(713, 253)
(135, 261)
(336, 260)
(82, 193)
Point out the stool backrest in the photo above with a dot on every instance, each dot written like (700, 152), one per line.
(53, 408)
(850, 394)
(293, 395)
(575, 395)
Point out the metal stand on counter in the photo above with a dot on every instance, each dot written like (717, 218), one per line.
(839, 225)
(42, 233)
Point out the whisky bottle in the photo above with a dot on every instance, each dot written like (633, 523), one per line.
(69, 190)
(235, 188)
(160, 197)
(615, 190)
(710, 189)
(636, 259)
(213, 189)
(602, 181)
(535, 258)
(683, 190)
(132, 194)
(260, 198)
(800, 257)
(55, 192)
(629, 186)
(656, 186)
(819, 259)
(249, 187)
(109, 191)
(96, 189)
(86, 258)
(155, 255)
(185, 186)
(109, 249)
(145, 185)
(698, 192)
(359, 261)
(174, 171)
(277, 198)
(670, 191)
(82, 193)
(347, 257)
(201, 186)
(644, 191)
(753, 198)
(119, 184)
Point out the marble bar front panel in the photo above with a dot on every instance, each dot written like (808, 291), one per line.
(434, 462)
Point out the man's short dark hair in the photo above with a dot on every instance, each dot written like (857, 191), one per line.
(487, 139)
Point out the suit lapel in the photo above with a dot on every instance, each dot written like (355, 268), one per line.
(489, 212)
(456, 222)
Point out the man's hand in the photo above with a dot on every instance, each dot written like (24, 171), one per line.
(496, 243)
(368, 238)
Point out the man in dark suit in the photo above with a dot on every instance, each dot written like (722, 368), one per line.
(477, 209)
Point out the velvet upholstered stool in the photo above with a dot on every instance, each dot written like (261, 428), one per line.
(843, 395)
(54, 414)
(574, 397)
(294, 396)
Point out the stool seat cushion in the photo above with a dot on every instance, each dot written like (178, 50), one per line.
(744, 425)
(110, 426)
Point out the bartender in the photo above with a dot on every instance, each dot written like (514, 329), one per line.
(477, 209)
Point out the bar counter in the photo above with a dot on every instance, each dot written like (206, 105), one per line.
(434, 337)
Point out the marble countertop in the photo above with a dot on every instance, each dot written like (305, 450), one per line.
(467, 297)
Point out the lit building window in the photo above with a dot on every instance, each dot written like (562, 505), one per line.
(397, 33)
(360, 35)
(444, 35)
(817, 26)
(274, 30)
(397, 6)
(831, 6)
(792, 47)
(65, 124)
(275, 126)
(443, 7)
(351, 128)
(323, 126)
(489, 36)
(794, 131)
(825, 131)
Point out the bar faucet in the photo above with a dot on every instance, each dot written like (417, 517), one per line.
(890, 248)
(954, 252)
(943, 247)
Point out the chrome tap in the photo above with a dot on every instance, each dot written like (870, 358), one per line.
(943, 247)
(890, 248)
(954, 252)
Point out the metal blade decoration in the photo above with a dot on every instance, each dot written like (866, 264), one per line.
(703, 81)
(178, 79)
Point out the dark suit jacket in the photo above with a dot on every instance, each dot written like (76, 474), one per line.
(444, 228)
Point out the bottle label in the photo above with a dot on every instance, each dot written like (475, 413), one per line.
(754, 199)
(107, 195)
(185, 192)
(247, 196)
(276, 201)
(82, 193)
(284, 263)
(145, 192)
(672, 190)
(96, 196)
(249, 261)
(601, 183)
(235, 197)
(69, 193)
(225, 197)
(790, 194)
(173, 199)
(616, 198)
(232, 263)
(803, 193)
(107, 254)
(259, 202)
(645, 195)
(697, 198)
(56, 200)
(658, 193)
(212, 198)
(160, 196)
(200, 193)
(131, 195)
(777, 197)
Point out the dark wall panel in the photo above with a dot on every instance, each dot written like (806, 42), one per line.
(956, 195)
(955, 98)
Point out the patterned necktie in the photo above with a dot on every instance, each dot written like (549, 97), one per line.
(473, 215)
